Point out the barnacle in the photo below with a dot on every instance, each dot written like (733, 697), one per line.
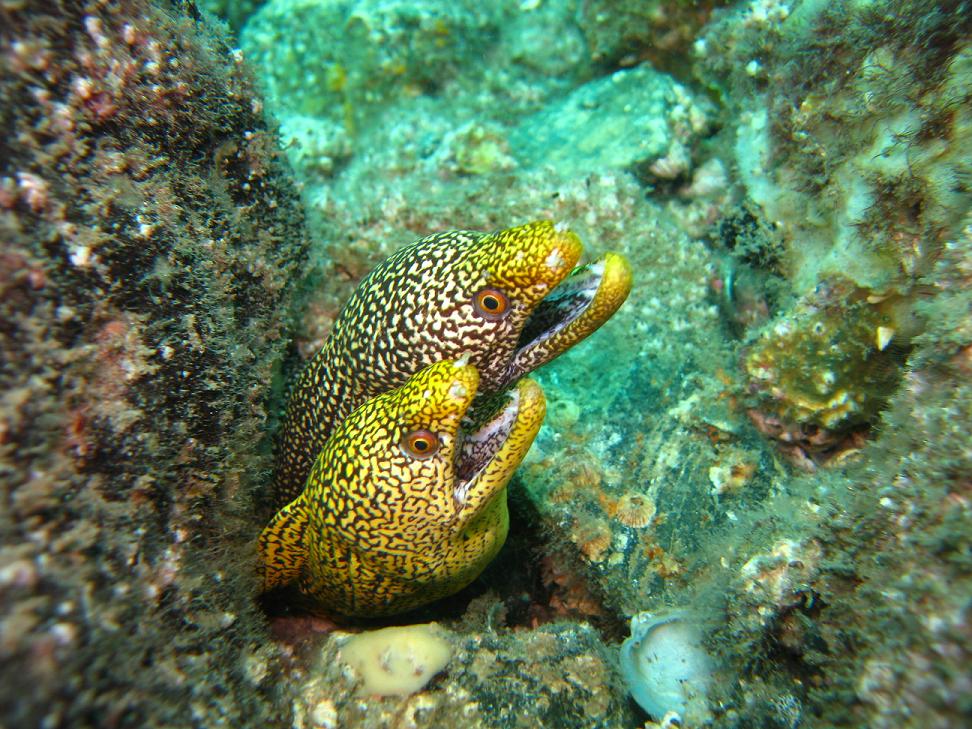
(825, 367)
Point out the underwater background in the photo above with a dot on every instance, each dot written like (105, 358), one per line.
(767, 449)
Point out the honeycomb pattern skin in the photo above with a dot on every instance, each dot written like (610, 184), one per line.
(416, 308)
(378, 530)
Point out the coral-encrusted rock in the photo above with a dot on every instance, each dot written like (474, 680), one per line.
(636, 118)
(822, 370)
(148, 241)
(850, 130)
(626, 31)
(234, 12)
(344, 60)
(776, 581)
(548, 677)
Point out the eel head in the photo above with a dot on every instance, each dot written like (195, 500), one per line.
(552, 302)
(512, 300)
(406, 502)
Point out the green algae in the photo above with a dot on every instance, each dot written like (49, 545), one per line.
(150, 244)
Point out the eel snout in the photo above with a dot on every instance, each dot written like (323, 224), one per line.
(490, 449)
(572, 311)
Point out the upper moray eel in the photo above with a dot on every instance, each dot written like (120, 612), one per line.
(510, 301)
(406, 502)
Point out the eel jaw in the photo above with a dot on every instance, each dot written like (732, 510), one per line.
(572, 311)
(487, 456)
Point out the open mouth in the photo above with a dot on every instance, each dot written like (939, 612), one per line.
(562, 306)
(571, 312)
(479, 442)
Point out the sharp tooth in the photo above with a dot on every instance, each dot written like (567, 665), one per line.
(882, 337)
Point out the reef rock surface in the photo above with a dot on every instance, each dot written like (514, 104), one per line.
(148, 247)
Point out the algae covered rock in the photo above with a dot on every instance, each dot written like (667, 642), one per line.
(851, 121)
(234, 12)
(631, 118)
(549, 676)
(344, 59)
(397, 661)
(149, 244)
(622, 31)
(822, 369)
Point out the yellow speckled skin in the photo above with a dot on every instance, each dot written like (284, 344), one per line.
(416, 308)
(377, 530)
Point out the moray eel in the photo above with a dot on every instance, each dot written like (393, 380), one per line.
(406, 502)
(510, 300)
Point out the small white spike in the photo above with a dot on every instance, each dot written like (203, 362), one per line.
(883, 336)
(555, 260)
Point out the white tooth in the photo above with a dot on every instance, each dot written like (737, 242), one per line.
(462, 361)
(458, 390)
(882, 337)
(561, 227)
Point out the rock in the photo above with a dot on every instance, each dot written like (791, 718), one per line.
(626, 120)
(150, 246)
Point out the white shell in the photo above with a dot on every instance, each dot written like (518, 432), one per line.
(664, 664)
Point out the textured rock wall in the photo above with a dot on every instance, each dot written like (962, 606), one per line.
(148, 241)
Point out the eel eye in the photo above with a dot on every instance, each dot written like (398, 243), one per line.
(420, 444)
(491, 304)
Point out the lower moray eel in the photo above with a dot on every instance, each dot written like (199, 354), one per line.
(406, 502)
(510, 301)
